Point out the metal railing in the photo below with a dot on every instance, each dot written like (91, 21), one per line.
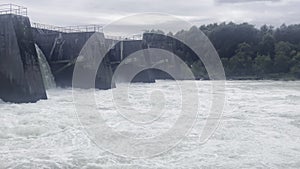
(84, 28)
(69, 29)
(46, 27)
(13, 9)
(132, 37)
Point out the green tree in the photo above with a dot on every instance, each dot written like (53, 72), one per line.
(241, 62)
(226, 37)
(267, 45)
(289, 33)
(265, 29)
(226, 65)
(295, 70)
(245, 49)
(282, 61)
(296, 59)
(283, 48)
(263, 64)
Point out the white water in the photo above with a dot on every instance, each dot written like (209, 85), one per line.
(260, 128)
(48, 78)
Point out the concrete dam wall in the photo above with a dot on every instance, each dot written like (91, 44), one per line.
(121, 51)
(61, 51)
(20, 75)
(20, 71)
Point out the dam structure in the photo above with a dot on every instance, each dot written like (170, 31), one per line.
(20, 76)
(23, 45)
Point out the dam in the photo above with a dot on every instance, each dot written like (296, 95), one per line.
(24, 45)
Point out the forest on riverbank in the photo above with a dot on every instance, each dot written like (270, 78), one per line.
(248, 52)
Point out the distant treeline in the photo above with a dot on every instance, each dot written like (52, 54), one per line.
(247, 52)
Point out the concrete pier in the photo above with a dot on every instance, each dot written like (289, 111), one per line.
(20, 76)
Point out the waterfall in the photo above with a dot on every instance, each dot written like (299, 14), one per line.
(45, 69)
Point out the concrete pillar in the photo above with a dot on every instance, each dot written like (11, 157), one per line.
(20, 76)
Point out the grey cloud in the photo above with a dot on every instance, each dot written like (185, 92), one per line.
(78, 12)
(244, 1)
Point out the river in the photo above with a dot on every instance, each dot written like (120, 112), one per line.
(260, 128)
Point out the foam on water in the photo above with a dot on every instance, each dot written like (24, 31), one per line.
(259, 129)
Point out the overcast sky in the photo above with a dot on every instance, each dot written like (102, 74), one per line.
(79, 12)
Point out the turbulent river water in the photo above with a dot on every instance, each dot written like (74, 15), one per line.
(260, 128)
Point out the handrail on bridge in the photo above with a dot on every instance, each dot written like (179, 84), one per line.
(85, 28)
(13, 9)
(124, 38)
(69, 29)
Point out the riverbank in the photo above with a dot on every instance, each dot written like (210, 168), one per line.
(274, 76)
